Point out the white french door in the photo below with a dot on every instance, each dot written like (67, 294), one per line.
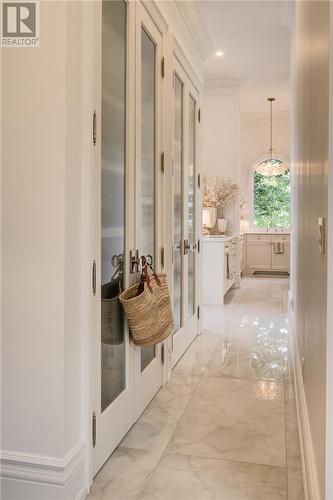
(113, 364)
(148, 366)
(127, 212)
(185, 212)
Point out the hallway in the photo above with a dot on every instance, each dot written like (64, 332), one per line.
(225, 426)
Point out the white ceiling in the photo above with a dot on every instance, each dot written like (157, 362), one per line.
(255, 39)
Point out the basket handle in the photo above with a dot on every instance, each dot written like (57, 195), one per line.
(145, 276)
(149, 262)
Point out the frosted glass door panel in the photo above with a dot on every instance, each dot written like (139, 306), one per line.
(148, 120)
(113, 355)
(191, 209)
(147, 145)
(177, 203)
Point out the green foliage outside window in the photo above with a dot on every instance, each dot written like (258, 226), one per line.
(271, 200)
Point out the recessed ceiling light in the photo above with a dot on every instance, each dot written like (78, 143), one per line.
(219, 53)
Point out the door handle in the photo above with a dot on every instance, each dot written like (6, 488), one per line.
(187, 247)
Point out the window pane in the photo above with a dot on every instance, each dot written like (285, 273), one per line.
(113, 355)
(177, 203)
(191, 211)
(147, 161)
(271, 200)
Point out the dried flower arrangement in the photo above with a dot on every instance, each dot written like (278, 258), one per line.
(219, 193)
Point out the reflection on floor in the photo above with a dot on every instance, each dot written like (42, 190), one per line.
(225, 426)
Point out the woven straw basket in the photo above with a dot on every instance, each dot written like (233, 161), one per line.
(149, 313)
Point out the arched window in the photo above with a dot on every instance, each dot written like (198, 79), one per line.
(271, 200)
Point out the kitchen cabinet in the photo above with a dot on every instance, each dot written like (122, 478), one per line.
(242, 255)
(281, 261)
(263, 254)
(229, 264)
(219, 268)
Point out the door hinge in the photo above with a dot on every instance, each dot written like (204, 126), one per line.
(198, 247)
(93, 278)
(198, 312)
(163, 67)
(199, 115)
(199, 181)
(162, 256)
(94, 128)
(162, 354)
(93, 430)
(162, 161)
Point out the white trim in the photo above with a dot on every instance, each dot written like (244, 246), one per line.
(156, 15)
(186, 65)
(37, 473)
(310, 476)
(41, 468)
(196, 27)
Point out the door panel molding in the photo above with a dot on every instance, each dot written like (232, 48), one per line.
(116, 419)
(148, 381)
(190, 325)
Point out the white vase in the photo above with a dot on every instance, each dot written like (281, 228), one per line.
(222, 225)
(209, 216)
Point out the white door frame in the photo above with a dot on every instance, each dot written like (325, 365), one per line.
(190, 326)
(118, 417)
(148, 382)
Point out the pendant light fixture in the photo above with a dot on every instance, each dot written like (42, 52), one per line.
(273, 163)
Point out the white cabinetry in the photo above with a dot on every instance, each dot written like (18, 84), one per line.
(229, 264)
(242, 255)
(281, 261)
(267, 252)
(258, 252)
(218, 268)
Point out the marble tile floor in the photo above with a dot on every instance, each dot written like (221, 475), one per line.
(225, 425)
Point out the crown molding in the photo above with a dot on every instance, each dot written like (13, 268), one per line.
(196, 27)
(187, 66)
(156, 15)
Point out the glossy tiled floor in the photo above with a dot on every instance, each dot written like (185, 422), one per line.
(224, 427)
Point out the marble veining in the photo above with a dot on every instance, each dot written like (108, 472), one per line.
(226, 419)
(196, 478)
(225, 425)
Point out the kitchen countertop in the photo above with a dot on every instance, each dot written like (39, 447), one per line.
(219, 238)
(270, 233)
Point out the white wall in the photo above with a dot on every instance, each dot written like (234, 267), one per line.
(329, 340)
(221, 128)
(33, 220)
(42, 420)
(254, 142)
(310, 149)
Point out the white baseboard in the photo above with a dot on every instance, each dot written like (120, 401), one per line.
(36, 477)
(310, 476)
